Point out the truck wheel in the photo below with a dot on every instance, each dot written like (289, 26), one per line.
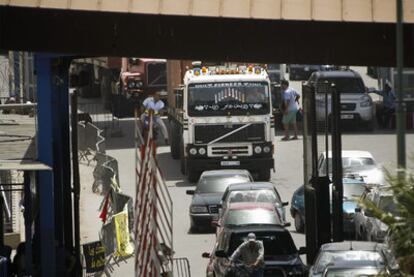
(193, 176)
(175, 141)
(264, 175)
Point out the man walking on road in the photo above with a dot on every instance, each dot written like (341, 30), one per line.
(251, 253)
(385, 113)
(289, 108)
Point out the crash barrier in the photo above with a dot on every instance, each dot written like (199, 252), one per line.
(153, 211)
(181, 267)
(90, 140)
(101, 117)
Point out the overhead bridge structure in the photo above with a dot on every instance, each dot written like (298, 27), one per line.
(289, 31)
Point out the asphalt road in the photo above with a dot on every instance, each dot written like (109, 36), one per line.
(288, 177)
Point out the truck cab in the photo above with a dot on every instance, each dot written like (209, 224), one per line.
(223, 118)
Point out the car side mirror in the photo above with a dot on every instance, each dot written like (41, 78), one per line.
(302, 250)
(205, 255)
(221, 254)
(370, 90)
(285, 203)
(287, 224)
(190, 192)
(357, 210)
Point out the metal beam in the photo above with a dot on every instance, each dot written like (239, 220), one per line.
(45, 238)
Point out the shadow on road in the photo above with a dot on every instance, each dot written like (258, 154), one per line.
(170, 168)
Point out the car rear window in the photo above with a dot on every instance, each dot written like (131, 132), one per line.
(219, 183)
(253, 216)
(345, 84)
(368, 258)
(275, 243)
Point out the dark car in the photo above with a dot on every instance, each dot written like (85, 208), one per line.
(353, 189)
(281, 256)
(208, 193)
(302, 71)
(354, 258)
(254, 192)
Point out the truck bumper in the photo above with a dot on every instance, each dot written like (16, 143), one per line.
(252, 164)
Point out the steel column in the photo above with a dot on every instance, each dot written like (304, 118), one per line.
(45, 238)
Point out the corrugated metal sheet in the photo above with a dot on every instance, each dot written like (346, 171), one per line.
(324, 10)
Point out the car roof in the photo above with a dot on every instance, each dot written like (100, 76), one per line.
(251, 186)
(353, 246)
(337, 74)
(222, 172)
(351, 154)
(251, 206)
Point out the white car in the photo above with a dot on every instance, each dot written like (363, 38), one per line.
(356, 103)
(355, 164)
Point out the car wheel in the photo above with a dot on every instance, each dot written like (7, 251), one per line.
(299, 224)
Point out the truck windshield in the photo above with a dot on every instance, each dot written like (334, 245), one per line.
(234, 98)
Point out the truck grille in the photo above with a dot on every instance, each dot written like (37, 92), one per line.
(348, 106)
(224, 150)
(213, 209)
(207, 133)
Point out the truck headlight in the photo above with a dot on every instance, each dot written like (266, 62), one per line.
(138, 84)
(366, 101)
(266, 149)
(198, 209)
(202, 151)
(258, 149)
(131, 84)
(193, 151)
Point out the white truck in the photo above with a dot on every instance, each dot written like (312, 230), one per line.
(222, 118)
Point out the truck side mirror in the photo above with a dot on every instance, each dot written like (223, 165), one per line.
(205, 255)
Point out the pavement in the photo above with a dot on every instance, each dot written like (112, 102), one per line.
(288, 177)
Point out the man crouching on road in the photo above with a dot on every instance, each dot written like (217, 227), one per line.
(251, 253)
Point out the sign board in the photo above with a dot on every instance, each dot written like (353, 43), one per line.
(123, 245)
(94, 253)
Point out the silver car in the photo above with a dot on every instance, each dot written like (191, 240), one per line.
(351, 257)
(371, 228)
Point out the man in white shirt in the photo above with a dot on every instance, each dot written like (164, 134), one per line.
(155, 104)
(289, 108)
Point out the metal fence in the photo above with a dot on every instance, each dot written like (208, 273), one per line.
(153, 211)
(181, 267)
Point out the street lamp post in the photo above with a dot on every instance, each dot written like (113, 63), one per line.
(400, 108)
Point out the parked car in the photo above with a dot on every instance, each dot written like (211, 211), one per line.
(354, 258)
(281, 256)
(302, 71)
(356, 103)
(371, 228)
(353, 189)
(253, 192)
(249, 213)
(355, 164)
(208, 194)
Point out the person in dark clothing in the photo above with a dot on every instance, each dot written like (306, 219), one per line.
(385, 113)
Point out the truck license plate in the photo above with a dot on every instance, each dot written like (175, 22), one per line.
(230, 163)
(347, 116)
